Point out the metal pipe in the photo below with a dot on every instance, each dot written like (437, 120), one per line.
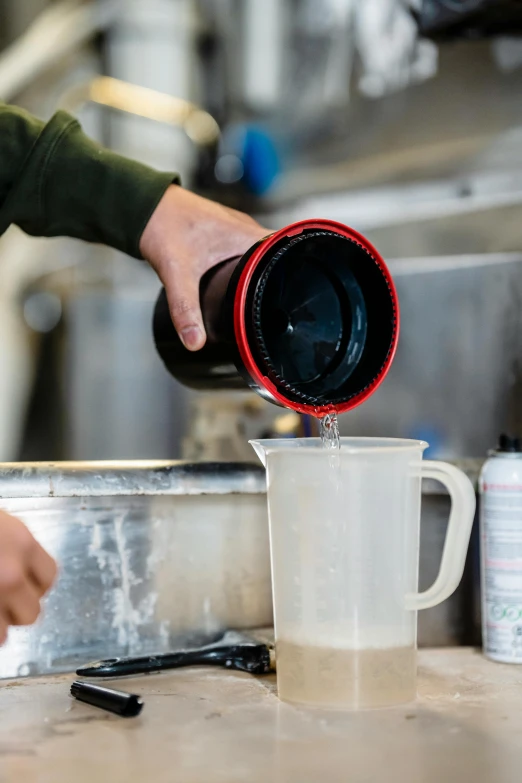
(200, 127)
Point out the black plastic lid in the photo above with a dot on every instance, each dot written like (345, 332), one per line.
(508, 444)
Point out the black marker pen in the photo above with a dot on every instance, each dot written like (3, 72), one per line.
(128, 705)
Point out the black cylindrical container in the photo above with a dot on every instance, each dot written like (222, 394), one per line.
(308, 318)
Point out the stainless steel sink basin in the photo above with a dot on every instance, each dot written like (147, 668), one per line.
(150, 554)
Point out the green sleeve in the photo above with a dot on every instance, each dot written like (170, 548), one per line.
(55, 181)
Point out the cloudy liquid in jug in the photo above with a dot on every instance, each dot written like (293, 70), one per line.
(335, 675)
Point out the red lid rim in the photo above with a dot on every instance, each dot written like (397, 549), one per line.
(240, 325)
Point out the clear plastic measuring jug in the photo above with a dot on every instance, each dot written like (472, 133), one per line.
(344, 537)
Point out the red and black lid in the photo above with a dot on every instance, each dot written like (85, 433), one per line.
(316, 317)
(308, 318)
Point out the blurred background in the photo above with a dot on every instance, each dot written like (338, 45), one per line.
(401, 118)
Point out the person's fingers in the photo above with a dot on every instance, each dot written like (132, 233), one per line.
(183, 297)
(19, 599)
(3, 628)
(19, 545)
(42, 569)
(23, 607)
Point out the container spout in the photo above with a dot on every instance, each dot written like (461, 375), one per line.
(260, 450)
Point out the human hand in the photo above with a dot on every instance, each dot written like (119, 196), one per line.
(186, 236)
(26, 573)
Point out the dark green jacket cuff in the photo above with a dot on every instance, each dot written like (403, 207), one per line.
(68, 185)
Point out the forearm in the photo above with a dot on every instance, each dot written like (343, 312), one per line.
(54, 181)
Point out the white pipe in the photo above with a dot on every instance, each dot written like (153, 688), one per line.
(57, 32)
(264, 45)
(152, 46)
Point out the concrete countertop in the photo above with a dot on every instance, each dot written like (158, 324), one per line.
(214, 726)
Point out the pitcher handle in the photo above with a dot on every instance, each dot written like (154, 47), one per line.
(463, 502)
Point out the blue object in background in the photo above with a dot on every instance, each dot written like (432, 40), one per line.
(260, 160)
(249, 153)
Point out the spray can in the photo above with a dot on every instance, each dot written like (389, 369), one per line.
(500, 488)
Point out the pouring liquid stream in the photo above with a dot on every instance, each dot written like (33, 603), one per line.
(329, 431)
(330, 439)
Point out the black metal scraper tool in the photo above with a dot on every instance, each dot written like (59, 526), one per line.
(234, 651)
